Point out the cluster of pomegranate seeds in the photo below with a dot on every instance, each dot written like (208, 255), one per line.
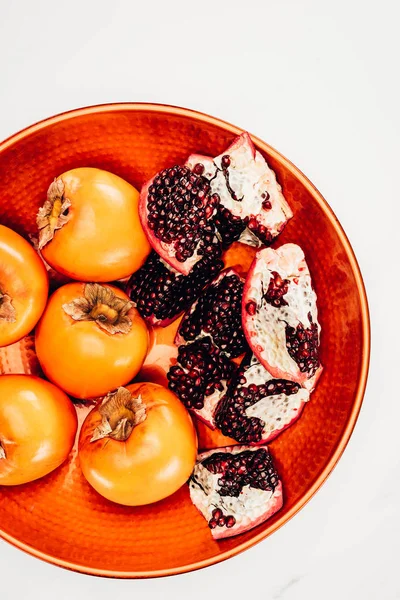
(161, 294)
(302, 345)
(229, 226)
(260, 231)
(277, 289)
(252, 468)
(218, 519)
(200, 371)
(218, 314)
(180, 211)
(231, 415)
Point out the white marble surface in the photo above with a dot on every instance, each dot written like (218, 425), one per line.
(319, 81)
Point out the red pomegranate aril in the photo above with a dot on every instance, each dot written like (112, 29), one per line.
(180, 209)
(233, 501)
(306, 354)
(277, 289)
(251, 308)
(217, 313)
(257, 407)
(230, 521)
(161, 295)
(225, 161)
(266, 205)
(200, 362)
(244, 181)
(285, 315)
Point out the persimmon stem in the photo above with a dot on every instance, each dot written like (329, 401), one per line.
(100, 304)
(103, 312)
(54, 213)
(121, 413)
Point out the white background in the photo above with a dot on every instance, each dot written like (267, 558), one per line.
(318, 80)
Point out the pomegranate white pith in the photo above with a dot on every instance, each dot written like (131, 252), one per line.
(265, 325)
(258, 407)
(250, 508)
(258, 194)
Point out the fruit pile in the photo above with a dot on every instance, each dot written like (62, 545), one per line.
(246, 355)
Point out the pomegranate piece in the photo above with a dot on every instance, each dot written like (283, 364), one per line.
(257, 407)
(280, 317)
(217, 313)
(200, 377)
(161, 294)
(252, 208)
(177, 210)
(235, 489)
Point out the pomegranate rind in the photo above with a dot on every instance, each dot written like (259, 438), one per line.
(278, 411)
(250, 176)
(253, 516)
(265, 330)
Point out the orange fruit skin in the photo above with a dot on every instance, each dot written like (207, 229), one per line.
(156, 459)
(38, 424)
(80, 357)
(103, 239)
(23, 277)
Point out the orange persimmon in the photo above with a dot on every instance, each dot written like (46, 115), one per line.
(38, 424)
(138, 446)
(90, 339)
(23, 287)
(89, 227)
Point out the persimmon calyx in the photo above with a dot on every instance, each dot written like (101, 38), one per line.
(101, 305)
(7, 311)
(120, 414)
(54, 213)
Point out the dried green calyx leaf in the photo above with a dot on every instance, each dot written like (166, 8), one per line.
(54, 213)
(101, 305)
(121, 413)
(7, 311)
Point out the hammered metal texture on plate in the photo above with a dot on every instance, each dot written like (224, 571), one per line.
(60, 518)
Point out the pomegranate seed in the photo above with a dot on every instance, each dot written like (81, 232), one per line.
(251, 308)
(230, 521)
(231, 416)
(232, 482)
(225, 161)
(162, 295)
(198, 169)
(266, 205)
